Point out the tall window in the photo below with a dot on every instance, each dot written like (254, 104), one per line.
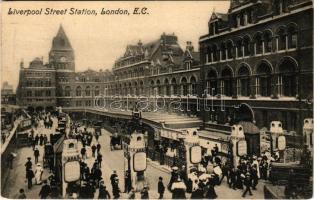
(281, 39)
(292, 37)
(230, 49)
(193, 85)
(223, 51)
(239, 48)
(167, 87)
(174, 86)
(258, 43)
(263, 80)
(212, 88)
(97, 91)
(87, 91)
(184, 86)
(78, 91)
(247, 46)
(226, 77)
(287, 78)
(267, 41)
(215, 53)
(244, 81)
(67, 91)
(209, 55)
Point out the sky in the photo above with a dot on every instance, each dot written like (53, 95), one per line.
(97, 40)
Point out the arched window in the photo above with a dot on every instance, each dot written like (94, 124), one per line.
(87, 91)
(209, 55)
(167, 87)
(281, 39)
(141, 88)
(212, 83)
(292, 36)
(268, 44)
(97, 91)
(226, 81)
(223, 51)
(239, 44)
(230, 49)
(159, 92)
(263, 79)
(152, 87)
(258, 43)
(184, 87)
(174, 87)
(215, 53)
(67, 91)
(78, 91)
(247, 45)
(244, 81)
(287, 78)
(193, 85)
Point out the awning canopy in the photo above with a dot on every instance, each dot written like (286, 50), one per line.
(249, 127)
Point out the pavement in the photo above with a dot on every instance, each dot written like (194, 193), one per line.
(112, 160)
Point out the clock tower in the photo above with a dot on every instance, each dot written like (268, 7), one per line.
(61, 55)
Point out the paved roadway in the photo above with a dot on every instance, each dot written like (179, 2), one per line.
(112, 160)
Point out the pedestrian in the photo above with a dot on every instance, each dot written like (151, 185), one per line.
(33, 143)
(97, 176)
(232, 182)
(96, 136)
(83, 153)
(116, 189)
(21, 194)
(99, 159)
(98, 147)
(113, 176)
(248, 184)
(10, 159)
(29, 177)
(38, 174)
(36, 155)
(178, 189)
(210, 190)
(45, 139)
(225, 172)
(36, 139)
(127, 182)
(41, 139)
(254, 174)
(161, 188)
(103, 192)
(45, 190)
(144, 193)
(28, 164)
(131, 194)
(197, 192)
(93, 150)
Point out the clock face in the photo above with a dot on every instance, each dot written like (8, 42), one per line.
(63, 59)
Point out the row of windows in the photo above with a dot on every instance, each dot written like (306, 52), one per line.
(261, 43)
(38, 83)
(244, 84)
(130, 61)
(78, 91)
(38, 93)
(84, 103)
(38, 74)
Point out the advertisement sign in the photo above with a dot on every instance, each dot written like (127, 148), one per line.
(195, 154)
(265, 139)
(139, 161)
(71, 171)
(241, 148)
(26, 123)
(281, 143)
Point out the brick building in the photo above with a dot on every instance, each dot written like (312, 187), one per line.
(257, 60)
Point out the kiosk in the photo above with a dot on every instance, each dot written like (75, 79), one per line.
(239, 145)
(193, 148)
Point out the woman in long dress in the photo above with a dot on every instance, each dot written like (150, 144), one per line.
(38, 173)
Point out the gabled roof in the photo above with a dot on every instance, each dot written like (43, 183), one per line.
(216, 15)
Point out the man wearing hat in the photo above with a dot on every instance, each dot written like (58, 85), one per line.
(103, 192)
(161, 188)
(248, 184)
(45, 190)
(144, 193)
(36, 155)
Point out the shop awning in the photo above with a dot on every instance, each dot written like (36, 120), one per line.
(249, 127)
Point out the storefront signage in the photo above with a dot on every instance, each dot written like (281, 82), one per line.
(281, 143)
(241, 148)
(139, 161)
(71, 171)
(195, 154)
(26, 123)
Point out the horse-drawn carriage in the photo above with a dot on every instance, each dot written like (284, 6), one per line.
(115, 142)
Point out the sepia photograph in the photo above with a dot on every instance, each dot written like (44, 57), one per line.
(157, 99)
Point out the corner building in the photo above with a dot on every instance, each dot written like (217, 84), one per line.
(257, 66)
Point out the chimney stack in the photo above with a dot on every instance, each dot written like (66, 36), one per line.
(189, 46)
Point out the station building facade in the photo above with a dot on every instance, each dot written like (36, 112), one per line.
(257, 65)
